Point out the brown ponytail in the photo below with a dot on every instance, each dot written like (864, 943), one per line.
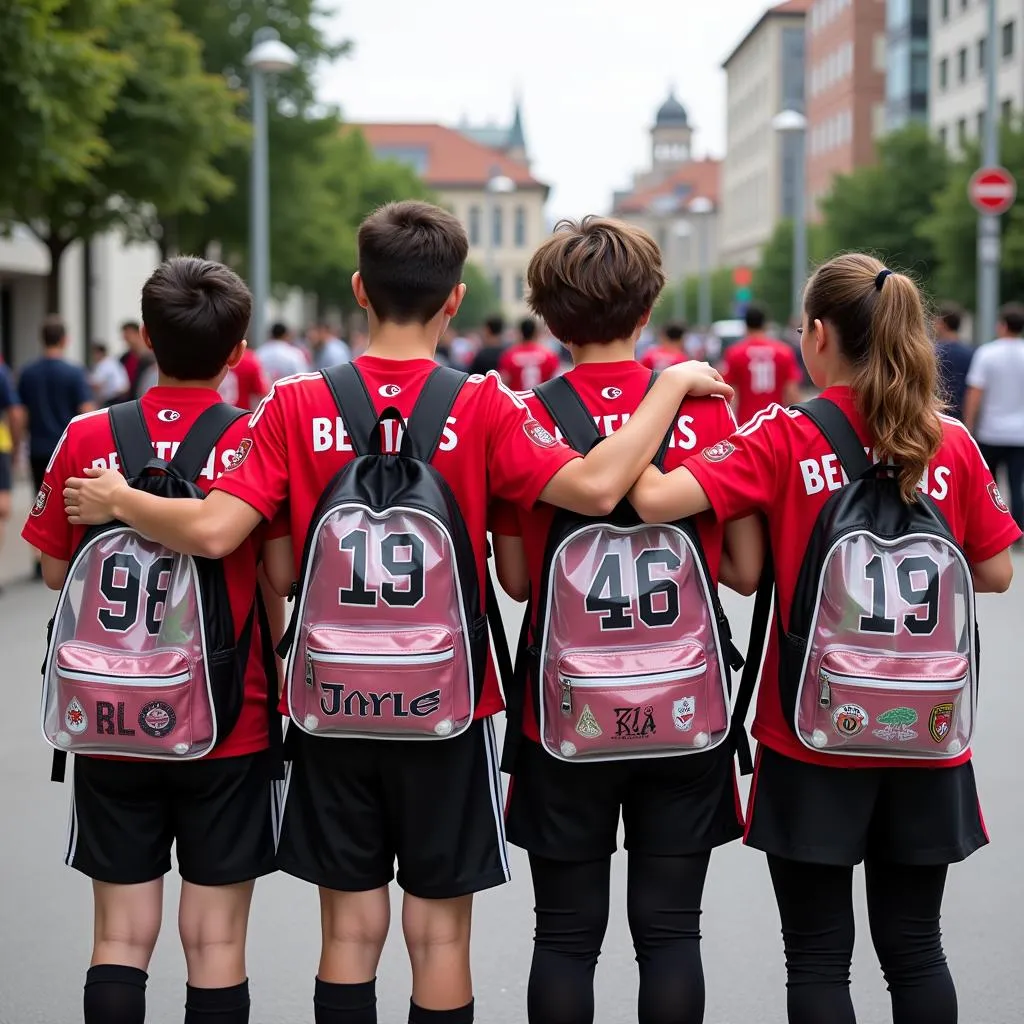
(880, 325)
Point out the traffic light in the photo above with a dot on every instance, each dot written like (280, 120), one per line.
(744, 295)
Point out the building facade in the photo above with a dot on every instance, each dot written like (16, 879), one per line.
(764, 75)
(462, 165)
(676, 199)
(846, 70)
(958, 55)
(907, 65)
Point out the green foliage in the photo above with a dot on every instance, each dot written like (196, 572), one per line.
(722, 300)
(480, 301)
(773, 278)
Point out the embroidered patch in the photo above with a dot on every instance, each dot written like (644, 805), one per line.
(849, 720)
(997, 498)
(157, 719)
(39, 505)
(683, 711)
(897, 724)
(940, 721)
(719, 452)
(75, 718)
(241, 453)
(587, 726)
(539, 434)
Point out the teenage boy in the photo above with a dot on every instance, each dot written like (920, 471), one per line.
(218, 811)
(528, 363)
(353, 806)
(668, 351)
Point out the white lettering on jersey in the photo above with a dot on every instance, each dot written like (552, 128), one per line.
(166, 450)
(330, 435)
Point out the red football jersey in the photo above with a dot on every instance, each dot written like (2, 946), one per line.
(661, 357)
(245, 384)
(526, 365)
(612, 391)
(490, 447)
(88, 442)
(781, 465)
(759, 368)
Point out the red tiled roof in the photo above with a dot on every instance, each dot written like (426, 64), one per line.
(793, 7)
(701, 176)
(450, 160)
(787, 8)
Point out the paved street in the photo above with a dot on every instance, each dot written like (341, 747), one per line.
(45, 920)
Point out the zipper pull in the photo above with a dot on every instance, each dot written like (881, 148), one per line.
(566, 697)
(825, 691)
(309, 670)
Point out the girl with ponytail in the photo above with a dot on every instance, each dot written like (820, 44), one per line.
(816, 813)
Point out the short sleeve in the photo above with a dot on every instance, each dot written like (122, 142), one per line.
(47, 527)
(503, 519)
(739, 474)
(976, 372)
(988, 526)
(258, 474)
(522, 454)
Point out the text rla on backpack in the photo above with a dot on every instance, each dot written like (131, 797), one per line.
(387, 639)
(879, 654)
(632, 651)
(142, 659)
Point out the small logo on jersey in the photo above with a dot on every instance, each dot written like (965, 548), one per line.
(39, 505)
(611, 393)
(940, 721)
(157, 719)
(897, 723)
(634, 723)
(719, 452)
(683, 711)
(539, 434)
(389, 391)
(997, 498)
(849, 720)
(75, 718)
(168, 415)
(243, 449)
(587, 726)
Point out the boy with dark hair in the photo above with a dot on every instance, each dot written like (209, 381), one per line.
(218, 811)
(355, 805)
(669, 349)
(596, 281)
(954, 357)
(528, 362)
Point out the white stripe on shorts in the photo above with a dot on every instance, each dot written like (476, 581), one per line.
(494, 779)
(72, 837)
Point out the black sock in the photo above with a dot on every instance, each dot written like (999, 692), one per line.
(114, 994)
(217, 1005)
(345, 1004)
(461, 1015)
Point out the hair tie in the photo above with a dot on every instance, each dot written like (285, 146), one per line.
(882, 275)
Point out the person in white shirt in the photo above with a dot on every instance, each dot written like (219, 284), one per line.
(108, 379)
(279, 356)
(994, 404)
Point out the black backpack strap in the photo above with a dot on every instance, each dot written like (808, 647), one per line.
(571, 416)
(131, 438)
(838, 431)
(269, 660)
(759, 624)
(354, 404)
(432, 409)
(194, 452)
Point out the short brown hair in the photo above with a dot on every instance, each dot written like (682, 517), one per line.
(196, 312)
(1012, 314)
(951, 315)
(53, 331)
(594, 280)
(411, 256)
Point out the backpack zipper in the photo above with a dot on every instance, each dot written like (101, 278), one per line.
(604, 682)
(826, 678)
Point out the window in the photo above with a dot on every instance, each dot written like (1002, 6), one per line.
(497, 288)
(520, 287)
(474, 225)
(497, 224)
(981, 54)
(1007, 110)
(943, 137)
(944, 73)
(1008, 40)
(520, 227)
(981, 124)
(961, 132)
(964, 4)
(881, 56)
(961, 65)
(945, 10)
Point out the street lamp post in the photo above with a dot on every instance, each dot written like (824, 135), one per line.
(681, 232)
(497, 184)
(267, 56)
(701, 208)
(988, 224)
(793, 125)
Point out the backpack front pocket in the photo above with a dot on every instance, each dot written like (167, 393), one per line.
(888, 705)
(610, 705)
(129, 704)
(399, 683)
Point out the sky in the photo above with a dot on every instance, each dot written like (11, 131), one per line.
(591, 73)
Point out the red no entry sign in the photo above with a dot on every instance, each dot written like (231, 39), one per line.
(992, 190)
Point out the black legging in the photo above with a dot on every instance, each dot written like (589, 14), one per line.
(904, 904)
(663, 896)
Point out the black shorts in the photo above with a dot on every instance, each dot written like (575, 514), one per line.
(841, 816)
(5, 471)
(221, 814)
(670, 806)
(354, 806)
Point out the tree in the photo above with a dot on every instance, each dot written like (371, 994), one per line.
(953, 227)
(881, 208)
(722, 299)
(169, 120)
(480, 302)
(773, 278)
